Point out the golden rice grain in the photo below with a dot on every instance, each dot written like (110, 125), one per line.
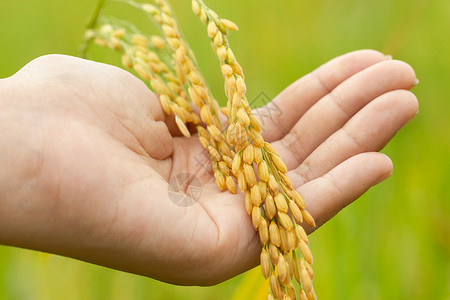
(212, 29)
(285, 221)
(236, 163)
(231, 184)
(215, 155)
(308, 218)
(302, 234)
(263, 171)
(255, 122)
(284, 240)
(205, 114)
(298, 199)
(263, 231)
(223, 110)
(312, 295)
(310, 270)
(288, 260)
(231, 59)
(249, 173)
(226, 70)
(240, 135)
(292, 239)
(273, 253)
(306, 280)
(215, 132)
(141, 71)
(296, 268)
(306, 252)
(248, 202)
(165, 104)
(157, 42)
(265, 263)
(243, 117)
(279, 164)
(274, 233)
(296, 212)
(127, 62)
(224, 148)
(257, 154)
(286, 180)
(247, 154)
(282, 268)
(275, 286)
(242, 183)
(223, 167)
(271, 209)
(229, 25)
(263, 189)
(236, 102)
(257, 138)
(291, 291)
(182, 127)
(256, 216)
(272, 184)
(303, 295)
(280, 203)
(220, 180)
(240, 85)
(255, 194)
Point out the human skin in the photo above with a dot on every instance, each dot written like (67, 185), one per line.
(87, 153)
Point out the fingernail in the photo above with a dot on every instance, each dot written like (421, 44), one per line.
(388, 56)
(416, 82)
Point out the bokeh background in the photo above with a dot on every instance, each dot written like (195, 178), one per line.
(393, 243)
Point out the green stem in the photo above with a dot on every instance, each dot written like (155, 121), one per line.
(91, 24)
(93, 21)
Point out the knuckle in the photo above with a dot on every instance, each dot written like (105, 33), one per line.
(293, 143)
(339, 102)
(305, 171)
(334, 183)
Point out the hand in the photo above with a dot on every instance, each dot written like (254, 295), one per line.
(87, 154)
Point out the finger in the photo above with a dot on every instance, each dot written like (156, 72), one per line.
(280, 115)
(369, 130)
(336, 108)
(330, 193)
(139, 111)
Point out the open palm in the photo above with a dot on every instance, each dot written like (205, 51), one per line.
(96, 153)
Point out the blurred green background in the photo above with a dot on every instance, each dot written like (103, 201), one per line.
(393, 243)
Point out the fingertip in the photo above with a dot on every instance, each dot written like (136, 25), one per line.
(347, 65)
(369, 167)
(370, 53)
(327, 195)
(411, 103)
(158, 135)
(405, 70)
(361, 59)
(386, 167)
(406, 102)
